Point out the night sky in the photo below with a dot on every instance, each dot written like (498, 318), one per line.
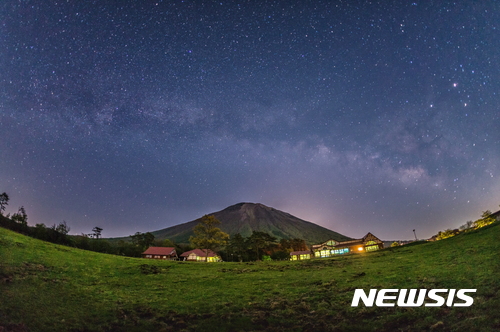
(358, 116)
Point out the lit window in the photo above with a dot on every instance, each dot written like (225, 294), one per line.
(372, 248)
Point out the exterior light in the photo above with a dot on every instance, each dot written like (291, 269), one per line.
(360, 248)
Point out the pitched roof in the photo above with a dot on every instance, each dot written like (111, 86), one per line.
(199, 252)
(369, 236)
(304, 252)
(160, 251)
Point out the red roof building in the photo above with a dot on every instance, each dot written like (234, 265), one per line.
(168, 253)
(200, 255)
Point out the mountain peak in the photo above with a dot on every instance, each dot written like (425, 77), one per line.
(246, 217)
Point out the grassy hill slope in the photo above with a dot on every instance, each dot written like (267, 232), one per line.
(46, 287)
(244, 218)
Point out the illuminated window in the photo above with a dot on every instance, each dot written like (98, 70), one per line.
(340, 251)
(372, 248)
(325, 253)
(331, 243)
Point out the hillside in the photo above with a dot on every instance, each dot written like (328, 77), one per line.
(244, 218)
(48, 287)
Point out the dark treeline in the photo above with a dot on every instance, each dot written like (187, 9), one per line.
(58, 234)
(258, 246)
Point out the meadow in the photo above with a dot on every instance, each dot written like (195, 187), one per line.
(48, 287)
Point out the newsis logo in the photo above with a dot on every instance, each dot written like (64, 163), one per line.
(409, 298)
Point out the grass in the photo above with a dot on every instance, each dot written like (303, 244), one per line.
(46, 287)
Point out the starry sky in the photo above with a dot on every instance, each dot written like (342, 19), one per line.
(356, 115)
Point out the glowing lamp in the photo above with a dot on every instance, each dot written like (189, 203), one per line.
(360, 248)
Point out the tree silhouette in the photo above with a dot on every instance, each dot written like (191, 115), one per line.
(62, 228)
(261, 241)
(208, 236)
(97, 231)
(238, 246)
(4, 201)
(20, 216)
(143, 240)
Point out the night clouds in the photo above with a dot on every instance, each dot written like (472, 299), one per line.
(135, 116)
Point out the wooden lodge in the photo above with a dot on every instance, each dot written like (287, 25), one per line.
(200, 255)
(331, 247)
(300, 255)
(167, 253)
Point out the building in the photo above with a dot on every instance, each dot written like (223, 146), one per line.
(331, 247)
(200, 255)
(167, 253)
(300, 255)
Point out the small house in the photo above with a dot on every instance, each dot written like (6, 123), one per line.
(167, 253)
(331, 247)
(200, 255)
(300, 255)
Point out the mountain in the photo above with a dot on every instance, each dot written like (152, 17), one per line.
(244, 218)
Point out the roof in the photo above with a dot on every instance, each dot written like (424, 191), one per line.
(160, 251)
(305, 252)
(368, 237)
(199, 252)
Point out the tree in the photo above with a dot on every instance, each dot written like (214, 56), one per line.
(62, 228)
(4, 201)
(97, 232)
(281, 255)
(298, 244)
(446, 234)
(395, 244)
(40, 232)
(20, 217)
(238, 246)
(142, 240)
(208, 236)
(485, 220)
(468, 225)
(261, 241)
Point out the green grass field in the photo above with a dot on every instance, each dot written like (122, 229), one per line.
(46, 287)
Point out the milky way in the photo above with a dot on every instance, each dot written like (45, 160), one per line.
(358, 116)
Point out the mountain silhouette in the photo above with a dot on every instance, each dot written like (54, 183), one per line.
(244, 218)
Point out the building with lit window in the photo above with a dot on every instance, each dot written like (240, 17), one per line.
(201, 255)
(300, 255)
(332, 248)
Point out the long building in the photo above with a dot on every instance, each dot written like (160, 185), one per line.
(331, 247)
